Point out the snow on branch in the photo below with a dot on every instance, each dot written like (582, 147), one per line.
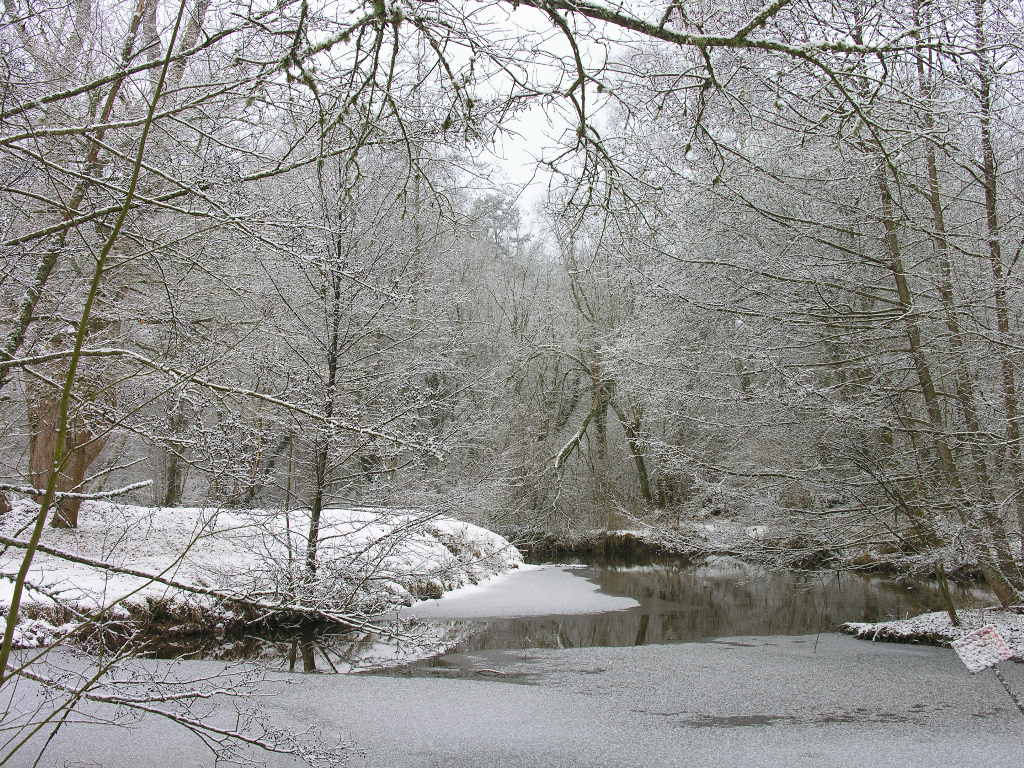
(222, 388)
(762, 16)
(574, 442)
(30, 491)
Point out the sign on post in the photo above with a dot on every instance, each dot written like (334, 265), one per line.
(985, 648)
(982, 648)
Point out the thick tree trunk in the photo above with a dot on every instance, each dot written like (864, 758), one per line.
(173, 480)
(82, 449)
(249, 497)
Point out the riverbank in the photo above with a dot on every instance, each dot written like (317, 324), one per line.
(759, 545)
(750, 702)
(640, 545)
(937, 629)
(175, 571)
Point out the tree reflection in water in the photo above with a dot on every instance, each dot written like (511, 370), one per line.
(677, 603)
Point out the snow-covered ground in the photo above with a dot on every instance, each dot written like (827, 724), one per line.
(937, 629)
(368, 559)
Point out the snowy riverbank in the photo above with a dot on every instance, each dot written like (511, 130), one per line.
(369, 560)
(937, 629)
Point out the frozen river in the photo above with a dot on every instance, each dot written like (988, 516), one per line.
(640, 691)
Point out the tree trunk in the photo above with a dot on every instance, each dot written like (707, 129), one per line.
(82, 449)
(1003, 559)
(322, 452)
(989, 181)
(170, 479)
(599, 396)
(632, 431)
(173, 480)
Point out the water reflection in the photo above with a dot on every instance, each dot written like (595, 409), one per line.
(677, 603)
(306, 643)
(320, 649)
(720, 598)
(725, 597)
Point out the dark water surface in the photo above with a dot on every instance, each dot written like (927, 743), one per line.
(674, 603)
(725, 597)
(721, 598)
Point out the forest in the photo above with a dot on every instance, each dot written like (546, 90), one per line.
(269, 255)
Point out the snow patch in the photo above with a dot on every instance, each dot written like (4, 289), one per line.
(37, 633)
(531, 591)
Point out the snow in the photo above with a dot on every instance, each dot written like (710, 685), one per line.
(369, 559)
(531, 591)
(37, 633)
(757, 531)
(794, 702)
(937, 629)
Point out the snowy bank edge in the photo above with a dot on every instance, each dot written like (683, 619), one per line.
(445, 554)
(936, 628)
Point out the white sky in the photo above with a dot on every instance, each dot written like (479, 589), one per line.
(539, 129)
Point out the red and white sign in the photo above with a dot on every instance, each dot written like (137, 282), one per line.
(982, 648)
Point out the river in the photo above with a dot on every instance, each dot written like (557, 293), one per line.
(657, 666)
(587, 605)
